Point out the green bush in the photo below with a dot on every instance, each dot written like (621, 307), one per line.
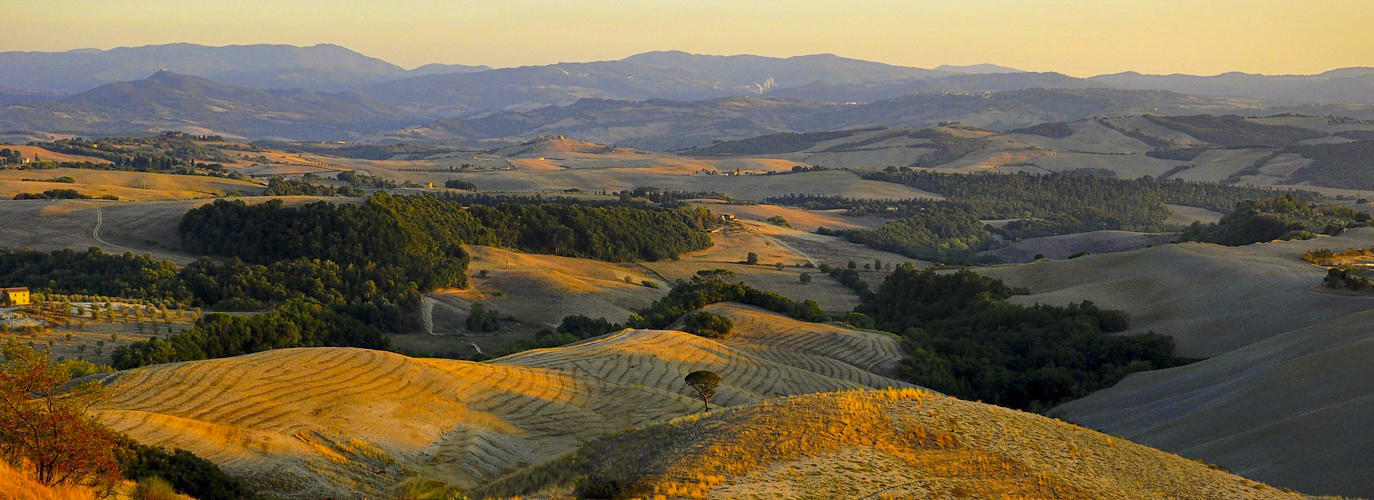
(708, 325)
(154, 488)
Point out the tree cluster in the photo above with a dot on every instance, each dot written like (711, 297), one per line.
(283, 186)
(964, 338)
(1283, 218)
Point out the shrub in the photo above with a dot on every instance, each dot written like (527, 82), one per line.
(708, 325)
(482, 319)
(154, 488)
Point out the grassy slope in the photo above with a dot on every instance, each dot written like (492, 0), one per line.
(893, 443)
(331, 421)
(136, 186)
(1285, 392)
(17, 485)
(1290, 410)
(1211, 299)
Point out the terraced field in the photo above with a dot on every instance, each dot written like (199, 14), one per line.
(873, 444)
(335, 422)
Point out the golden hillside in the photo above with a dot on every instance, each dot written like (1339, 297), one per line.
(336, 421)
(16, 485)
(896, 443)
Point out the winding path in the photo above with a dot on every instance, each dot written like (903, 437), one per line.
(100, 221)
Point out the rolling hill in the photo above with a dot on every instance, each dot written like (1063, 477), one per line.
(1281, 391)
(1347, 84)
(872, 444)
(336, 421)
(768, 73)
(671, 124)
(170, 101)
(317, 67)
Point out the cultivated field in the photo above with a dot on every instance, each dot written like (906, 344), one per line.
(337, 422)
(133, 186)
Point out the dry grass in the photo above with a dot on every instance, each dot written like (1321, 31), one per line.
(134, 186)
(898, 443)
(46, 155)
(333, 421)
(17, 485)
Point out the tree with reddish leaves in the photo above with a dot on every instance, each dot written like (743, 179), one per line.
(45, 423)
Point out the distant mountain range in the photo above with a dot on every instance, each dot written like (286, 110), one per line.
(667, 99)
(1342, 85)
(318, 67)
(169, 101)
(667, 124)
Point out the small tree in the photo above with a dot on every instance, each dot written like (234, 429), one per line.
(46, 424)
(752, 258)
(705, 382)
(853, 265)
(805, 278)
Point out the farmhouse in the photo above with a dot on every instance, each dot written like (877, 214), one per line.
(14, 297)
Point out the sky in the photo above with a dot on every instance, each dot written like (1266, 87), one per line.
(1076, 37)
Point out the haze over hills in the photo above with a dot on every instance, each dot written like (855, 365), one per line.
(1339, 85)
(170, 101)
(682, 76)
(317, 67)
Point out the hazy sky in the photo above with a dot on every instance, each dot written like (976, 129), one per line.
(1078, 37)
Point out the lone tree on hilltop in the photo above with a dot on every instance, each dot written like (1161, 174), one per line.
(705, 382)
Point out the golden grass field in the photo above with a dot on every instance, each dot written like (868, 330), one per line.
(17, 485)
(894, 443)
(132, 186)
(342, 422)
(46, 155)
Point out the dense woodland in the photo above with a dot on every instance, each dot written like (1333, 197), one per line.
(342, 275)
(1343, 165)
(965, 339)
(283, 186)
